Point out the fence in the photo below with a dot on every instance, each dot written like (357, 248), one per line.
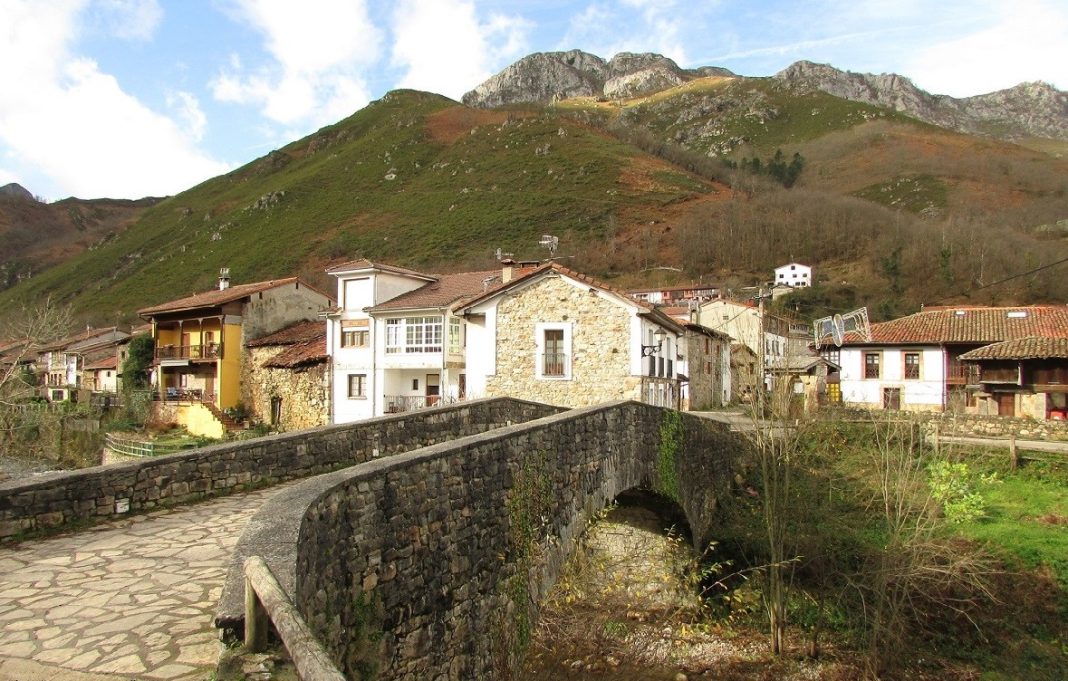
(138, 448)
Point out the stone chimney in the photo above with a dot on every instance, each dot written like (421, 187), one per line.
(224, 278)
(507, 270)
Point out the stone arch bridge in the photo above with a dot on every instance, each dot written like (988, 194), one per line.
(421, 543)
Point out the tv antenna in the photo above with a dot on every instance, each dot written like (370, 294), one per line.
(501, 255)
(550, 242)
(837, 326)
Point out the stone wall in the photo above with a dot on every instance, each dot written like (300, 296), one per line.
(418, 566)
(57, 499)
(952, 424)
(303, 390)
(600, 355)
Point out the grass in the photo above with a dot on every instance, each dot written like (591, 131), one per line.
(916, 194)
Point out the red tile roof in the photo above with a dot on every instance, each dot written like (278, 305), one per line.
(934, 326)
(651, 310)
(305, 343)
(108, 362)
(446, 291)
(216, 297)
(294, 333)
(1022, 348)
(80, 337)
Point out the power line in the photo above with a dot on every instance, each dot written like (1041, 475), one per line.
(1001, 281)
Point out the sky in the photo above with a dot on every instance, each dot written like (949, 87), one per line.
(132, 98)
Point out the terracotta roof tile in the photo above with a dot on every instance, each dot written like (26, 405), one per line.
(216, 297)
(969, 325)
(109, 362)
(301, 354)
(448, 290)
(1032, 347)
(294, 333)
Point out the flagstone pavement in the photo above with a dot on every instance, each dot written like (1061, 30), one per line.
(128, 599)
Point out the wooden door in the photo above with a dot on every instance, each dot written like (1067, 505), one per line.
(1006, 404)
(892, 398)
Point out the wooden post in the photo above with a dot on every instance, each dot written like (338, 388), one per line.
(937, 441)
(255, 620)
(1014, 459)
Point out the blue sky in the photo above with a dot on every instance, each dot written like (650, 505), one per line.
(128, 98)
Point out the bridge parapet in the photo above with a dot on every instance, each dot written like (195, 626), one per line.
(430, 564)
(57, 500)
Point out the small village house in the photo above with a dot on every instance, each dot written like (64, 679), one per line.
(286, 381)
(794, 275)
(916, 362)
(553, 335)
(395, 340)
(1022, 377)
(199, 343)
(65, 361)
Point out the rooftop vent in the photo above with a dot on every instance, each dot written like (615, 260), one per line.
(959, 313)
(1016, 314)
(224, 278)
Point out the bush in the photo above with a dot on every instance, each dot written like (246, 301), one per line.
(951, 486)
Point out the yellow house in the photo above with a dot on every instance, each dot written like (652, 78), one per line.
(199, 341)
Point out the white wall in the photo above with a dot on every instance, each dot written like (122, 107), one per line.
(925, 393)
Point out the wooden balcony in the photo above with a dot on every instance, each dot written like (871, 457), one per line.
(209, 351)
(962, 374)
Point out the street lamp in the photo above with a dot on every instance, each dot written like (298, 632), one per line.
(649, 350)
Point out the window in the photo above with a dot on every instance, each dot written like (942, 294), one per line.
(554, 357)
(553, 351)
(832, 355)
(871, 364)
(357, 386)
(912, 365)
(354, 338)
(413, 334)
(455, 336)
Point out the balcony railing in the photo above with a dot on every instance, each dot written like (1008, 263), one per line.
(186, 395)
(205, 351)
(554, 364)
(962, 374)
(396, 404)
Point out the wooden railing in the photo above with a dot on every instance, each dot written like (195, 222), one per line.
(266, 602)
(205, 351)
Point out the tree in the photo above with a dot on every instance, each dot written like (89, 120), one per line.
(135, 367)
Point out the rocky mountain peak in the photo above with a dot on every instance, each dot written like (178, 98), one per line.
(543, 77)
(15, 192)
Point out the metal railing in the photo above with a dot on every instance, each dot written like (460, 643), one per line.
(205, 351)
(396, 404)
(554, 364)
(137, 448)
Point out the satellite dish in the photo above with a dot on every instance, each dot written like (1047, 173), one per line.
(837, 330)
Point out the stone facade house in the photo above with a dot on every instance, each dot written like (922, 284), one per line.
(916, 362)
(1022, 377)
(553, 335)
(286, 377)
(64, 361)
(707, 367)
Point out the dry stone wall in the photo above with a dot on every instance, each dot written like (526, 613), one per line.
(57, 499)
(303, 391)
(600, 356)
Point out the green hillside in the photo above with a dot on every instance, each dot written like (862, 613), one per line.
(413, 179)
(891, 212)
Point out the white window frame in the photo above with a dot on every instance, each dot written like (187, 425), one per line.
(539, 342)
(414, 335)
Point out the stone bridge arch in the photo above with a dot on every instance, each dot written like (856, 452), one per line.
(430, 564)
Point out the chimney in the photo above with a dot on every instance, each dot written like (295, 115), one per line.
(507, 270)
(224, 278)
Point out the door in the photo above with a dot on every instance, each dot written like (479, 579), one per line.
(276, 410)
(892, 398)
(433, 389)
(1006, 404)
(462, 387)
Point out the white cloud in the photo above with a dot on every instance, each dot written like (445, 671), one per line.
(187, 108)
(608, 28)
(319, 49)
(1025, 40)
(130, 19)
(64, 122)
(444, 47)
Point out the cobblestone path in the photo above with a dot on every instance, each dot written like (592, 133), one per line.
(128, 599)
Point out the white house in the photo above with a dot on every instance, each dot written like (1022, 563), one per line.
(394, 340)
(913, 363)
(557, 336)
(793, 274)
(766, 334)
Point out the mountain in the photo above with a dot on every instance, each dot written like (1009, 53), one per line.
(684, 182)
(1027, 110)
(38, 235)
(544, 77)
